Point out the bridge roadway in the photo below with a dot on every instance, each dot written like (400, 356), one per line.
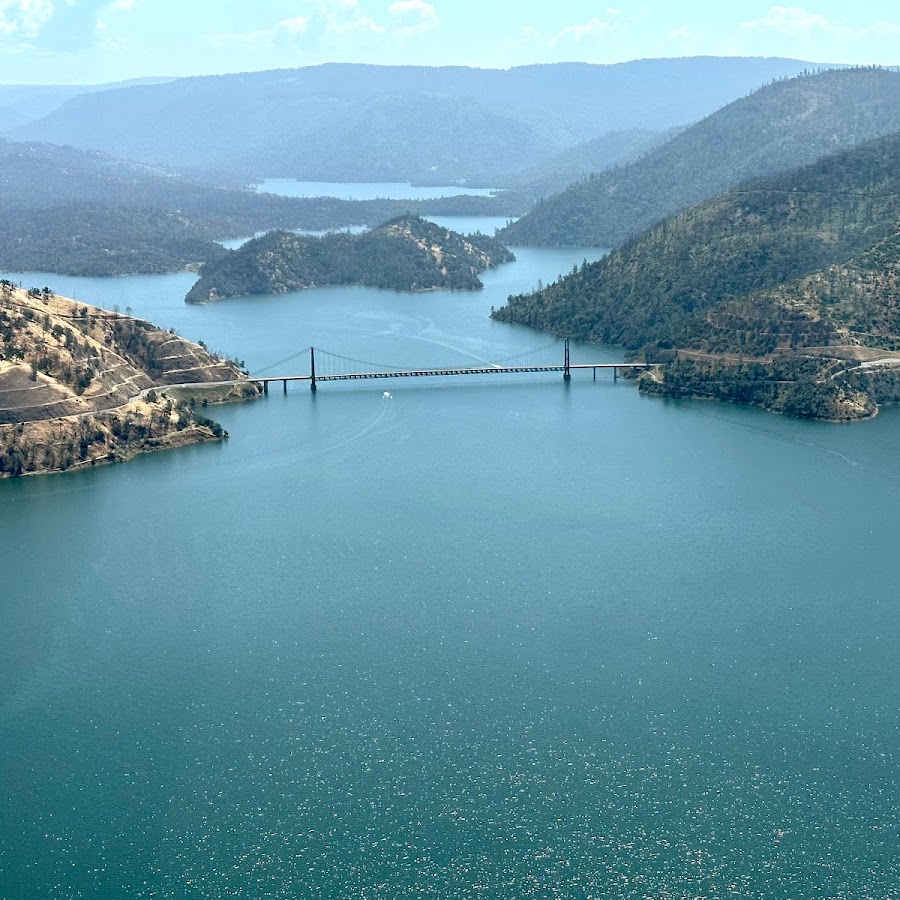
(472, 370)
(266, 380)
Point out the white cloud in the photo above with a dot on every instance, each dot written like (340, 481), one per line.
(681, 33)
(24, 18)
(286, 29)
(795, 21)
(881, 28)
(296, 25)
(790, 19)
(336, 19)
(413, 16)
(342, 17)
(590, 30)
(582, 40)
(104, 16)
(57, 25)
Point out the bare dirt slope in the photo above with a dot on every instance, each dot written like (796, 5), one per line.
(80, 385)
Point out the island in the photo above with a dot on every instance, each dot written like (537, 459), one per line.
(81, 212)
(80, 386)
(406, 253)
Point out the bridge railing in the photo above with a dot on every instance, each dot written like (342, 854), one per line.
(327, 366)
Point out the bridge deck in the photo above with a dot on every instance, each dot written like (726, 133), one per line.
(414, 373)
(468, 370)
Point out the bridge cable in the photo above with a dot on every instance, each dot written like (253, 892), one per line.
(530, 353)
(280, 362)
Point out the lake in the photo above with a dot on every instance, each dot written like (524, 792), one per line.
(463, 224)
(499, 637)
(290, 187)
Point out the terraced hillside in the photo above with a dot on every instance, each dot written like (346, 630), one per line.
(80, 385)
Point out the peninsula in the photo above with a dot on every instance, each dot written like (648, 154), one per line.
(81, 386)
(781, 293)
(407, 253)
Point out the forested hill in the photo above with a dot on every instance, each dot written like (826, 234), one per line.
(22, 103)
(789, 273)
(557, 172)
(98, 241)
(81, 212)
(41, 176)
(406, 253)
(781, 126)
(341, 122)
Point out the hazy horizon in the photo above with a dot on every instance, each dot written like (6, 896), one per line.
(86, 42)
(161, 77)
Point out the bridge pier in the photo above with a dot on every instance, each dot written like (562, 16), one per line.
(566, 366)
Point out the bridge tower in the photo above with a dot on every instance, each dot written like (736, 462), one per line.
(567, 374)
(312, 368)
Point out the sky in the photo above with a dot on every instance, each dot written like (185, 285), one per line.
(96, 41)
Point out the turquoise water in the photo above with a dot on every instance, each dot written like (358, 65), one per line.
(483, 639)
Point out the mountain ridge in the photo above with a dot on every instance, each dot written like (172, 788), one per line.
(778, 127)
(297, 122)
(782, 292)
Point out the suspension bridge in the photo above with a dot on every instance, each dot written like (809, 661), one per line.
(325, 366)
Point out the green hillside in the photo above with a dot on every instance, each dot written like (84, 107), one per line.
(82, 212)
(93, 240)
(406, 254)
(761, 295)
(556, 173)
(44, 176)
(777, 128)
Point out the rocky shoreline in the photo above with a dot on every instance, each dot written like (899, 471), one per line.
(80, 386)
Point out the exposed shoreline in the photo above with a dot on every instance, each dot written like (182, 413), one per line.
(118, 386)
